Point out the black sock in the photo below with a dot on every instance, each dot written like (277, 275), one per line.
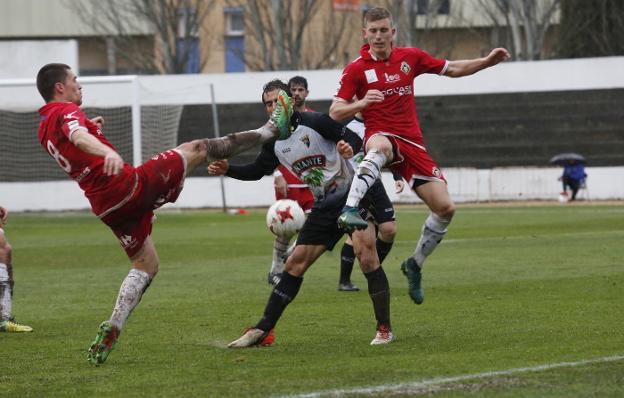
(281, 295)
(379, 292)
(383, 248)
(347, 258)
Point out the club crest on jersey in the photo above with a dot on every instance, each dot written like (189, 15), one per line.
(309, 162)
(405, 67)
(306, 140)
(371, 76)
(436, 172)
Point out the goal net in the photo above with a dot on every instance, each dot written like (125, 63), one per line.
(137, 131)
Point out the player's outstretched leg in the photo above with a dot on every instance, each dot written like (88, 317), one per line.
(103, 344)
(279, 125)
(253, 337)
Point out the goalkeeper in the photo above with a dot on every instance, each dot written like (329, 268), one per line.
(122, 196)
(315, 151)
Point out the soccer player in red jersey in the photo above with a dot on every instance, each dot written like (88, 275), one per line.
(380, 85)
(122, 196)
(7, 323)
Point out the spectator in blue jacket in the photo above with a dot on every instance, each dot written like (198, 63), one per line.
(573, 177)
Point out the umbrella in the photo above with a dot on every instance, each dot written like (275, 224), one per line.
(564, 158)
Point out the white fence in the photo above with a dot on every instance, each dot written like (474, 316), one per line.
(465, 185)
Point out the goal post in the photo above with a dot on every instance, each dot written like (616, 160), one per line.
(138, 130)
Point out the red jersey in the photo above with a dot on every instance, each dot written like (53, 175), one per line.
(394, 77)
(58, 121)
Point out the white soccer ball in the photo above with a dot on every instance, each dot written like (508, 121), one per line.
(285, 218)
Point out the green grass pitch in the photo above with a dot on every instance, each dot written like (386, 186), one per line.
(511, 287)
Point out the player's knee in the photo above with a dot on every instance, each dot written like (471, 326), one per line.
(446, 211)
(387, 231)
(365, 253)
(368, 261)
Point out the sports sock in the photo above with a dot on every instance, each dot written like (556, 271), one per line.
(366, 174)
(379, 292)
(383, 248)
(130, 293)
(5, 293)
(283, 294)
(347, 258)
(280, 247)
(433, 231)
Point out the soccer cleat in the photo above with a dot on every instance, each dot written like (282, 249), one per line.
(348, 287)
(280, 117)
(253, 337)
(384, 335)
(11, 326)
(350, 220)
(411, 270)
(103, 344)
(274, 278)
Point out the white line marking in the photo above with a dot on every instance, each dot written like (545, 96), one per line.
(388, 388)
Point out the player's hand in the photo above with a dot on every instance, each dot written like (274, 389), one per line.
(113, 163)
(371, 97)
(98, 121)
(218, 167)
(4, 214)
(344, 149)
(497, 56)
(281, 187)
(399, 185)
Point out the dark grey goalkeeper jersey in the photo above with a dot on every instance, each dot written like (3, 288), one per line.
(310, 153)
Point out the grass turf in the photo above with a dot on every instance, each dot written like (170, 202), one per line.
(510, 287)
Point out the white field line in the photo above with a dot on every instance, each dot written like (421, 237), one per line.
(405, 387)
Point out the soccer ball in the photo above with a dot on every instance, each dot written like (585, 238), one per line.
(285, 218)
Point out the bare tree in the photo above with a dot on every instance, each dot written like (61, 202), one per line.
(526, 23)
(156, 36)
(591, 28)
(291, 35)
(428, 24)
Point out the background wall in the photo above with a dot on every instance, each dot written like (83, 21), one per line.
(492, 133)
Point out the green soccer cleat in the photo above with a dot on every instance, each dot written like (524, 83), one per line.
(280, 117)
(350, 220)
(411, 270)
(103, 344)
(11, 326)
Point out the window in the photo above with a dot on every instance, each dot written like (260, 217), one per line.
(234, 39)
(234, 21)
(192, 62)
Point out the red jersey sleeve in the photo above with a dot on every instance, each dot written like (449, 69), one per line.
(73, 119)
(425, 63)
(348, 83)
